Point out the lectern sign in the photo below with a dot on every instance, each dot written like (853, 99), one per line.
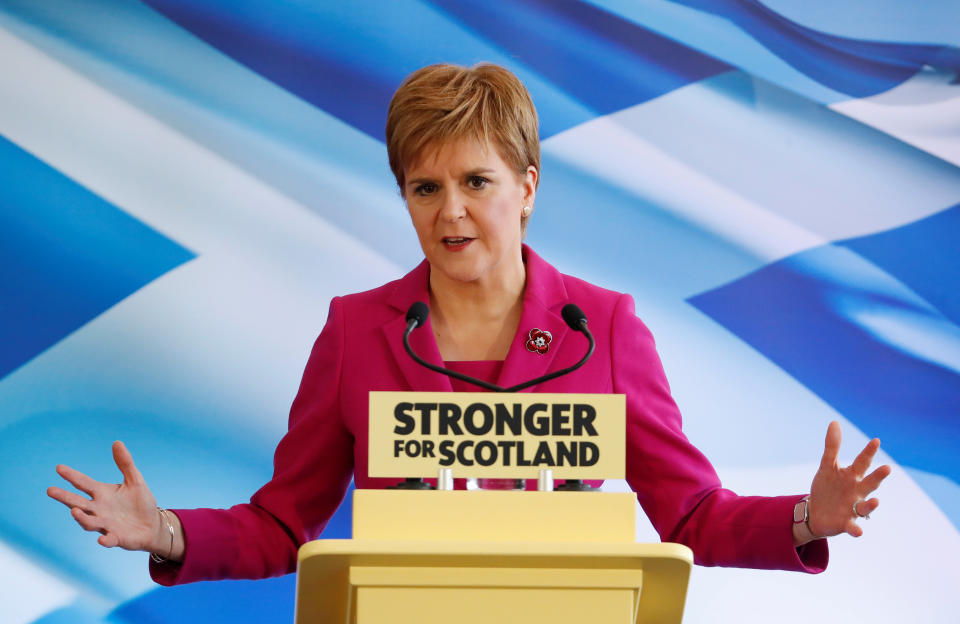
(509, 435)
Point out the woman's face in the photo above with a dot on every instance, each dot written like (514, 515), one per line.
(466, 204)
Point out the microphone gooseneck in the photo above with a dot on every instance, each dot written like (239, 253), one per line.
(572, 315)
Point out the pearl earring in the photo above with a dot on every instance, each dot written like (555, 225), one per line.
(526, 211)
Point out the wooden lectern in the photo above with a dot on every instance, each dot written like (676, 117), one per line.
(469, 557)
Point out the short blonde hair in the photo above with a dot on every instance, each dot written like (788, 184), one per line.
(445, 102)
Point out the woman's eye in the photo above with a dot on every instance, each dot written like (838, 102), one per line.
(477, 182)
(425, 189)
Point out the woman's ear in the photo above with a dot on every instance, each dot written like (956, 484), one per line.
(530, 178)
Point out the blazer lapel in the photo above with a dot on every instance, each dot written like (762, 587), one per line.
(543, 298)
(414, 287)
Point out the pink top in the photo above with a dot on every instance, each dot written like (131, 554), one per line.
(361, 349)
(484, 370)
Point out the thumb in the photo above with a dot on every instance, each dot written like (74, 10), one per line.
(125, 463)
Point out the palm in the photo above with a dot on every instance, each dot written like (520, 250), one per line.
(125, 514)
(836, 490)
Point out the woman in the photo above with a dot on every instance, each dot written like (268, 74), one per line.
(463, 145)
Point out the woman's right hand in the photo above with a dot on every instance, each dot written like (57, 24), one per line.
(125, 514)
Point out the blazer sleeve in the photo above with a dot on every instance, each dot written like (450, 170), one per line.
(313, 464)
(675, 483)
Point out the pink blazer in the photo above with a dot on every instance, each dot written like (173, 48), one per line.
(360, 349)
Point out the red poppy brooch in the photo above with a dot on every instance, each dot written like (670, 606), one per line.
(538, 341)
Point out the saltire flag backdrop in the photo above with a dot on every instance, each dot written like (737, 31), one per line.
(184, 185)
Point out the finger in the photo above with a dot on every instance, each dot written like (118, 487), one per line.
(853, 528)
(69, 498)
(108, 540)
(78, 480)
(863, 460)
(863, 508)
(874, 479)
(831, 445)
(867, 507)
(125, 463)
(89, 522)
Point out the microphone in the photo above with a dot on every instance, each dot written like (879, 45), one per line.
(572, 315)
(417, 314)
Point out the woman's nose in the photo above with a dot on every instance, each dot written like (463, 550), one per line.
(454, 207)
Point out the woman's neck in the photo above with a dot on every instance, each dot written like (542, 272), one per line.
(476, 320)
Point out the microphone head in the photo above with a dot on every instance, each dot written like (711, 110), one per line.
(418, 312)
(573, 315)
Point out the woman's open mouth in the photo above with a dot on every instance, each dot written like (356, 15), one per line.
(456, 243)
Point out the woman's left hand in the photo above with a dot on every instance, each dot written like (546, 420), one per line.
(838, 496)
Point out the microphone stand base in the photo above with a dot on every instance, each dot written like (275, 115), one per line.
(411, 484)
(575, 485)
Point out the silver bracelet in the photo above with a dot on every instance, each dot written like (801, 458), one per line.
(154, 556)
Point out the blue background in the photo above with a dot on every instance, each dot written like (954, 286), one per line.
(185, 184)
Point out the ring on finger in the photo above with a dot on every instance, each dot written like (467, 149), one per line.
(857, 513)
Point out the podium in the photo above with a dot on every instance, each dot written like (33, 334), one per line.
(469, 557)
